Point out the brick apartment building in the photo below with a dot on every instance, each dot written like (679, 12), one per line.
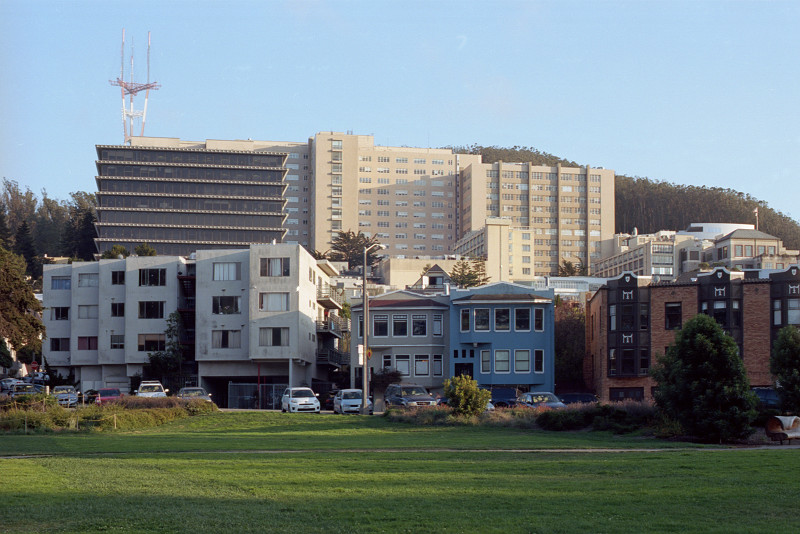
(631, 320)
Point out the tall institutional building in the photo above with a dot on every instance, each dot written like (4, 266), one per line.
(181, 196)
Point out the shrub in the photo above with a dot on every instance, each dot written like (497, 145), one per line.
(465, 397)
(785, 365)
(570, 418)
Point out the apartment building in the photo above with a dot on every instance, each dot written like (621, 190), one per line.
(264, 314)
(633, 319)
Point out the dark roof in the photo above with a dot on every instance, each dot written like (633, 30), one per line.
(746, 234)
(510, 297)
(402, 303)
(435, 269)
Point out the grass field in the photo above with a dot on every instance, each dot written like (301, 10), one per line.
(233, 472)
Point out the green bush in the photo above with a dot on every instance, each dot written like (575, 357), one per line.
(566, 419)
(465, 397)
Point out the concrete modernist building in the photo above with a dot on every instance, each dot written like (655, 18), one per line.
(632, 319)
(263, 314)
(567, 211)
(180, 196)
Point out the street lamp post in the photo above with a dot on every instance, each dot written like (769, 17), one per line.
(365, 306)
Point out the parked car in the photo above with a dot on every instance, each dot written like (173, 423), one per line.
(106, 395)
(536, 399)
(89, 396)
(299, 400)
(7, 384)
(572, 398)
(326, 399)
(66, 396)
(151, 388)
(767, 398)
(502, 397)
(194, 393)
(23, 389)
(408, 395)
(349, 401)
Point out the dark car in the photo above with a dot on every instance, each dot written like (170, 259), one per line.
(23, 389)
(539, 399)
(106, 395)
(327, 399)
(767, 398)
(408, 395)
(194, 393)
(573, 398)
(502, 397)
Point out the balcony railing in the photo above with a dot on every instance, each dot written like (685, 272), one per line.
(330, 297)
(333, 356)
(334, 324)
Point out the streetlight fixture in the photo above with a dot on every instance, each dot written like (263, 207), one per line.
(365, 320)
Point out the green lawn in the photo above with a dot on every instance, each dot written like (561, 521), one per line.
(215, 474)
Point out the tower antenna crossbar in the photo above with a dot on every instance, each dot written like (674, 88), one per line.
(131, 89)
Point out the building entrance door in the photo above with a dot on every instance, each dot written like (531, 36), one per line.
(465, 369)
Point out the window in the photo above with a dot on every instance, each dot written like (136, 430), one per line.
(486, 361)
(59, 344)
(673, 315)
(152, 277)
(380, 325)
(87, 312)
(228, 271)
(87, 343)
(402, 364)
(522, 319)
(501, 363)
(118, 278)
(538, 319)
(465, 320)
(151, 309)
(538, 361)
(59, 314)
(400, 325)
(502, 321)
(437, 365)
(422, 365)
(620, 394)
(437, 325)
(419, 325)
(152, 342)
(117, 309)
(387, 361)
(522, 361)
(226, 339)
(273, 337)
(793, 311)
(612, 317)
(87, 280)
(776, 312)
(275, 266)
(61, 282)
(273, 302)
(225, 305)
(117, 341)
(482, 319)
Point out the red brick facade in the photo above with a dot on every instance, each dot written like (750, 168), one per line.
(756, 326)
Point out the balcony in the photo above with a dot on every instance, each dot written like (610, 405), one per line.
(330, 297)
(333, 357)
(333, 324)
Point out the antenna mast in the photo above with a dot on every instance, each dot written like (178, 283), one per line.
(131, 88)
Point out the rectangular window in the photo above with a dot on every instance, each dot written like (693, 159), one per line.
(88, 280)
(59, 313)
(612, 317)
(152, 342)
(421, 365)
(465, 320)
(628, 319)
(776, 312)
(231, 270)
(400, 325)
(501, 363)
(793, 311)
(380, 325)
(403, 365)
(538, 319)
(59, 344)
(152, 277)
(644, 362)
(226, 339)
(502, 319)
(87, 343)
(273, 337)
(153, 309)
(482, 319)
(522, 319)
(61, 282)
(117, 309)
(437, 325)
(673, 315)
(538, 361)
(419, 325)
(275, 266)
(644, 316)
(486, 361)
(87, 312)
(223, 305)
(118, 278)
(117, 341)
(273, 302)
(628, 362)
(387, 361)
(522, 361)
(437, 365)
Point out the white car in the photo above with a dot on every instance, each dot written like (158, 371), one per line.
(151, 388)
(299, 400)
(349, 401)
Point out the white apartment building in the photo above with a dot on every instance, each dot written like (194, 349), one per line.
(263, 314)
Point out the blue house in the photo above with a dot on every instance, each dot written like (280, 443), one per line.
(502, 334)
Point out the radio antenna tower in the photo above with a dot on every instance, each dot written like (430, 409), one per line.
(131, 88)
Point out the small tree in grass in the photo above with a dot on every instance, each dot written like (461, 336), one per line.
(702, 383)
(785, 365)
(464, 395)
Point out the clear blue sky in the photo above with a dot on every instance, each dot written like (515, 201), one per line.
(702, 93)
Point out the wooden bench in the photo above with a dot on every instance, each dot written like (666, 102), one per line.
(781, 428)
